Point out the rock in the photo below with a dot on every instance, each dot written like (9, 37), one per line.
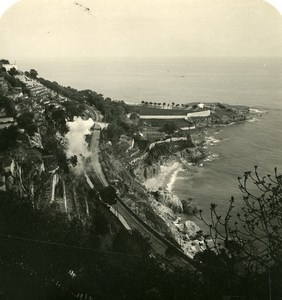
(169, 200)
(36, 140)
(192, 230)
(188, 207)
(195, 154)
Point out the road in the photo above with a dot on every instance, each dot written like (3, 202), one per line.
(94, 146)
(159, 243)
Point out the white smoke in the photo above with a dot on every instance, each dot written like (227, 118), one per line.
(75, 141)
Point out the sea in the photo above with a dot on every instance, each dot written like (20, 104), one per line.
(255, 82)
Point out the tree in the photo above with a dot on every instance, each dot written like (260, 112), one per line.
(4, 61)
(8, 138)
(13, 71)
(113, 133)
(254, 232)
(134, 116)
(169, 127)
(73, 160)
(109, 195)
(8, 105)
(25, 119)
(133, 243)
(33, 73)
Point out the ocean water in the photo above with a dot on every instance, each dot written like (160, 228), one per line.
(256, 82)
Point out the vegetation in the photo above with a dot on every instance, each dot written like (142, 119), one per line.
(109, 195)
(32, 74)
(8, 106)
(48, 254)
(247, 242)
(8, 138)
(4, 61)
(63, 258)
(169, 127)
(13, 72)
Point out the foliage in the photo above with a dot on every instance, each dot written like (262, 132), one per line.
(133, 243)
(256, 234)
(113, 133)
(73, 109)
(109, 195)
(33, 73)
(4, 61)
(169, 127)
(8, 105)
(8, 138)
(59, 117)
(25, 119)
(13, 72)
(245, 254)
(14, 82)
(113, 111)
(62, 160)
(68, 246)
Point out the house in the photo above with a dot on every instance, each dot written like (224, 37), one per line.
(201, 105)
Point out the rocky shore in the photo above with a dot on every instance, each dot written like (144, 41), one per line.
(170, 208)
(146, 183)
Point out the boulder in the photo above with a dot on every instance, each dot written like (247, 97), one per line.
(169, 200)
(192, 229)
(195, 154)
(188, 207)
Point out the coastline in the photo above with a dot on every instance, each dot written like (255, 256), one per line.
(166, 177)
(185, 231)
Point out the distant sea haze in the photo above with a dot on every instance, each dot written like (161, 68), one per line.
(256, 82)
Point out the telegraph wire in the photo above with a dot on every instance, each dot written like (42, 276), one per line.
(66, 245)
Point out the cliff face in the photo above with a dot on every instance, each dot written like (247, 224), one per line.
(169, 200)
(144, 171)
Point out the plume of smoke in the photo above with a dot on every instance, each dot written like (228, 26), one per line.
(76, 143)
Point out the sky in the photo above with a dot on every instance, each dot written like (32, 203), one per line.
(61, 29)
